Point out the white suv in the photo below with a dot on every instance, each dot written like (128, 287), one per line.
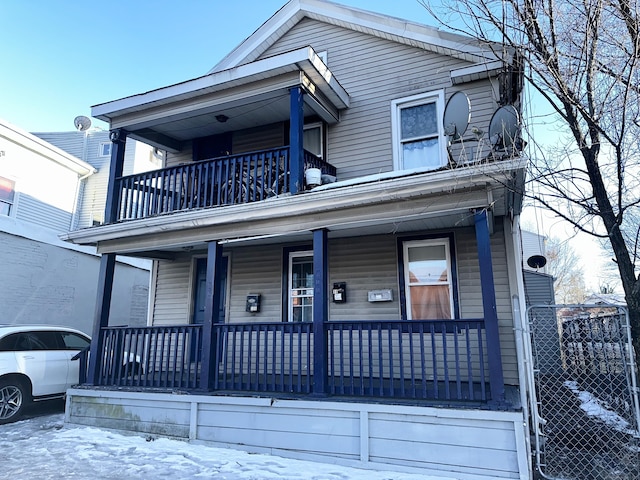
(36, 364)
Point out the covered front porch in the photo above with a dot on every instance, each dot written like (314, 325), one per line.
(454, 361)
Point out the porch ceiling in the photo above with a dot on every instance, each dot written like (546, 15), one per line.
(246, 96)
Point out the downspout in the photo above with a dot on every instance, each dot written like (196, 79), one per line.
(76, 200)
(523, 345)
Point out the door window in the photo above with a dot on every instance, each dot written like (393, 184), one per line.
(300, 286)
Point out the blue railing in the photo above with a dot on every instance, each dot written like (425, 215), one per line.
(428, 360)
(264, 357)
(418, 359)
(229, 180)
(155, 357)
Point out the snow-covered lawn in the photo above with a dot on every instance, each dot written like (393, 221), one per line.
(594, 407)
(44, 447)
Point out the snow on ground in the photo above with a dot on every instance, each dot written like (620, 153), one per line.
(593, 407)
(44, 447)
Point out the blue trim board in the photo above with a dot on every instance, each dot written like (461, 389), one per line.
(211, 306)
(489, 307)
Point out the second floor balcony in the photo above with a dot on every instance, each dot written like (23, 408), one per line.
(227, 180)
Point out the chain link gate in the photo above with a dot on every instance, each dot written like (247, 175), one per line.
(586, 415)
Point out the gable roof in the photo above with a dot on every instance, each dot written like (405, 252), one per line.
(383, 26)
(45, 149)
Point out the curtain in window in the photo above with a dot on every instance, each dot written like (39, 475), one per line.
(430, 302)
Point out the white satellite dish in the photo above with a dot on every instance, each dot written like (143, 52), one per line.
(457, 114)
(504, 127)
(82, 123)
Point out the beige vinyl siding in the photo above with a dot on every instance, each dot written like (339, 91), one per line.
(259, 138)
(186, 155)
(374, 72)
(256, 270)
(172, 301)
(364, 263)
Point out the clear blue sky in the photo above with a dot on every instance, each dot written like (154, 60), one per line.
(60, 57)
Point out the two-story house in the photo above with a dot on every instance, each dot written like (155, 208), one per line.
(336, 244)
(43, 188)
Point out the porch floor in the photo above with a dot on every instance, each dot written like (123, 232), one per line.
(415, 394)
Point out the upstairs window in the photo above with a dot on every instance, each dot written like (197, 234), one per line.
(418, 134)
(105, 149)
(312, 139)
(7, 195)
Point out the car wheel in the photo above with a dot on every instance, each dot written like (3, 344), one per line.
(13, 400)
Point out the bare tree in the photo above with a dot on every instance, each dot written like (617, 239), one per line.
(563, 265)
(581, 56)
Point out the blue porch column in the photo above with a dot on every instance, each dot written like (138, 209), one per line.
(320, 311)
(296, 130)
(211, 308)
(496, 378)
(108, 260)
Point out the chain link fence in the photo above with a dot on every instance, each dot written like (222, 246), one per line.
(586, 394)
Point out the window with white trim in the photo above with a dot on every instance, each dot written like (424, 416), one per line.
(300, 281)
(312, 139)
(428, 279)
(7, 195)
(105, 149)
(417, 132)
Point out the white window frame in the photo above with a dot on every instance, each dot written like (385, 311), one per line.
(320, 126)
(290, 297)
(407, 283)
(397, 105)
(102, 147)
(12, 204)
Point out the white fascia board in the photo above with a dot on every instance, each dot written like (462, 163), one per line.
(217, 81)
(45, 149)
(476, 72)
(361, 20)
(291, 11)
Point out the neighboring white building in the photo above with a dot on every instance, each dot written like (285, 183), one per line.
(533, 244)
(46, 191)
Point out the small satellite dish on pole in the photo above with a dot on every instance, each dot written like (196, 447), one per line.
(456, 116)
(504, 128)
(536, 261)
(82, 123)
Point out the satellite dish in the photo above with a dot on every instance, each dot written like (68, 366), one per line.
(504, 127)
(456, 115)
(536, 261)
(82, 123)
